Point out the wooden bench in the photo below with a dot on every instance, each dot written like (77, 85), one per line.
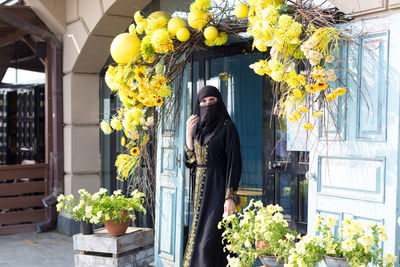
(135, 248)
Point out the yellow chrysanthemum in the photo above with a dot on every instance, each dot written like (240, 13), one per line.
(164, 91)
(123, 141)
(161, 41)
(125, 165)
(297, 93)
(105, 127)
(116, 124)
(147, 47)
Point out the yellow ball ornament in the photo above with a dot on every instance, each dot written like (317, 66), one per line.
(241, 11)
(197, 19)
(175, 24)
(165, 17)
(183, 34)
(210, 33)
(125, 47)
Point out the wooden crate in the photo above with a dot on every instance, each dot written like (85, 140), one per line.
(135, 248)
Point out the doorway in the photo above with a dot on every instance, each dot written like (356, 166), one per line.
(270, 172)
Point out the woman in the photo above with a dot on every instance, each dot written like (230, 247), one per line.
(213, 153)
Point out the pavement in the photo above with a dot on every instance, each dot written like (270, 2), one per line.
(48, 249)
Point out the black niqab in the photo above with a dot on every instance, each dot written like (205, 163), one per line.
(212, 116)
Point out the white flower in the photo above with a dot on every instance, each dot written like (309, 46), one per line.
(150, 121)
(102, 191)
(331, 78)
(142, 120)
(366, 241)
(247, 243)
(330, 222)
(330, 72)
(348, 245)
(60, 198)
(389, 258)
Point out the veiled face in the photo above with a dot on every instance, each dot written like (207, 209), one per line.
(208, 100)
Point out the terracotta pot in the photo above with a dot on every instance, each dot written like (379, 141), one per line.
(86, 228)
(116, 228)
(335, 262)
(270, 261)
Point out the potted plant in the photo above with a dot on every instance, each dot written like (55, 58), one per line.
(114, 211)
(258, 232)
(118, 210)
(357, 244)
(81, 210)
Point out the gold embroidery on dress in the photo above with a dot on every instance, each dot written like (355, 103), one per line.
(230, 193)
(201, 153)
(201, 157)
(190, 155)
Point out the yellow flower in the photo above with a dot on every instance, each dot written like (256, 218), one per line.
(321, 85)
(296, 114)
(159, 101)
(161, 41)
(317, 114)
(135, 151)
(340, 91)
(311, 88)
(308, 126)
(291, 118)
(105, 127)
(123, 141)
(164, 90)
(116, 124)
(303, 108)
(298, 93)
(330, 96)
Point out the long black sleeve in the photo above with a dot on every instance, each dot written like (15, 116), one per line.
(234, 161)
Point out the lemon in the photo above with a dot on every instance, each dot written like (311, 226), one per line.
(175, 24)
(183, 34)
(210, 33)
(197, 19)
(125, 47)
(241, 11)
(160, 14)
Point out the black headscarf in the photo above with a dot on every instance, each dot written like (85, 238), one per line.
(212, 116)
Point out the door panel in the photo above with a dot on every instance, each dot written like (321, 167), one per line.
(168, 246)
(358, 176)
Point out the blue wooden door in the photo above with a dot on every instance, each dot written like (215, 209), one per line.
(355, 165)
(168, 245)
(242, 91)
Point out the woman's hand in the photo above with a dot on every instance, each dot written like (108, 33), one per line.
(190, 124)
(229, 206)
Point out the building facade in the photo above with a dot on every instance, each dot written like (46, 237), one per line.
(352, 174)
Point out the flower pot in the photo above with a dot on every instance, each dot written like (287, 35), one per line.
(116, 228)
(86, 228)
(335, 262)
(270, 261)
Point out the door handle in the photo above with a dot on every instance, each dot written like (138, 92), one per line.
(178, 160)
(275, 165)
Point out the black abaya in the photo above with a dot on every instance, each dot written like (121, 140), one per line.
(217, 173)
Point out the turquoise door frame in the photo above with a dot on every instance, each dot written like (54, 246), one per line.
(359, 176)
(170, 173)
